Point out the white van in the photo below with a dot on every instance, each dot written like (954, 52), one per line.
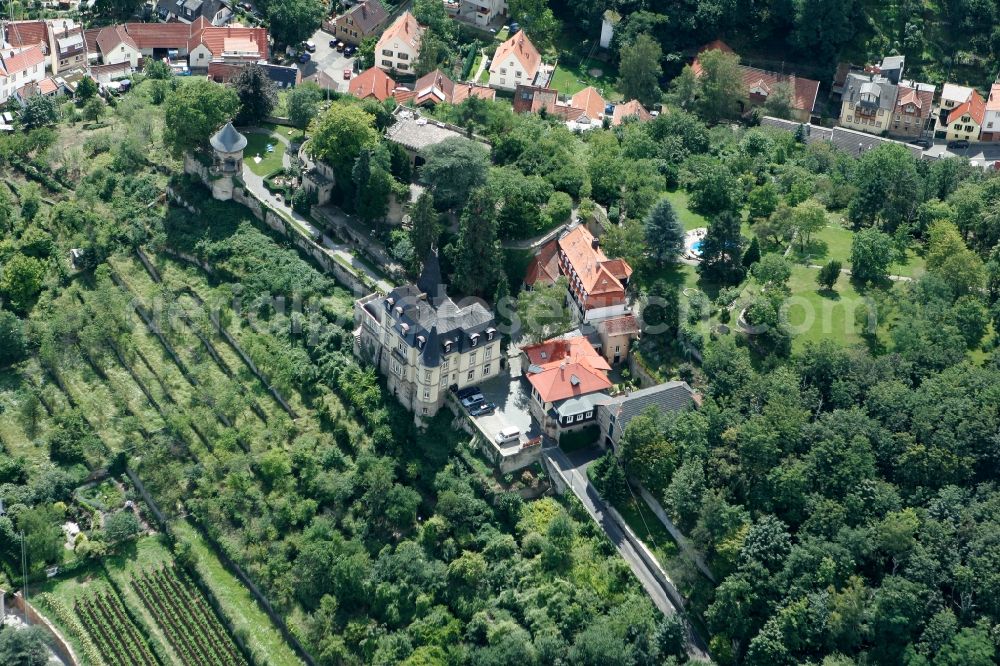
(507, 434)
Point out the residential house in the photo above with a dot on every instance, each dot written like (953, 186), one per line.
(69, 47)
(517, 62)
(966, 120)
(479, 12)
(596, 283)
(105, 74)
(398, 48)
(20, 67)
(22, 34)
(892, 67)
(631, 110)
(868, 103)
(230, 44)
(614, 415)
(569, 380)
(760, 84)
(913, 114)
(991, 117)
(953, 95)
(583, 111)
(114, 45)
(614, 337)
(435, 87)
(424, 343)
(216, 12)
(47, 87)
(372, 83)
(360, 21)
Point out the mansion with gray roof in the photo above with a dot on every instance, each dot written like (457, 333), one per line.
(424, 343)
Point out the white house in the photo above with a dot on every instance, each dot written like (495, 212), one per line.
(399, 46)
(516, 62)
(481, 12)
(20, 67)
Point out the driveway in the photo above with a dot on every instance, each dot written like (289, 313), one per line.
(328, 61)
(980, 154)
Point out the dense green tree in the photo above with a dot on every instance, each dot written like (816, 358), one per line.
(372, 183)
(639, 70)
(12, 339)
(257, 94)
(722, 250)
(476, 254)
(713, 189)
(543, 311)
(192, 113)
(720, 85)
(121, 526)
(829, 274)
(762, 201)
(773, 272)
(664, 232)
(537, 20)
(808, 217)
(21, 281)
(821, 28)
(293, 21)
(871, 254)
(302, 103)
(23, 647)
(43, 535)
(39, 111)
(780, 101)
(887, 188)
(339, 135)
(453, 170)
(425, 227)
(557, 554)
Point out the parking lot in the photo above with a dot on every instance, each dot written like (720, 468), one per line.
(511, 394)
(981, 154)
(326, 60)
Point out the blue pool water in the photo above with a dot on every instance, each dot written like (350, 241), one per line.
(696, 246)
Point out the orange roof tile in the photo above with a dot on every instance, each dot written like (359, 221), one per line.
(631, 109)
(26, 59)
(47, 86)
(562, 369)
(624, 325)
(465, 90)
(993, 103)
(405, 29)
(521, 48)
(588, 261)
(163, 35)
(590, 101)
(372, 82)
(28, 33)
(544, 266)
(975, 107)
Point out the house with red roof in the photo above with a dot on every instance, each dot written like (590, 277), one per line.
(398, 48)
(965, 121)
(569, 380)
(20, 67)
(373, 83)
(759, 84)
(436, 88)
(597, 284)
(517, 62)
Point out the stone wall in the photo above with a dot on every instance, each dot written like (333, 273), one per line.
(58, 644)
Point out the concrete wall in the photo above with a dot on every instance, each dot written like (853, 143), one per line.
(59, 644)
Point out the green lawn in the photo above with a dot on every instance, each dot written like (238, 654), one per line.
(570, 80)
(831, 242)
(257, 145)
(914, 267)
(816, 315)
(679, 199)
(240, 607)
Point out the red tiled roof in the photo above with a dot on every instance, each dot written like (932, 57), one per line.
(24, 60)
(566, 369)
(433, 88)
(216, 39)
(405, 29)
(975, 107)
(521, 47)
(590, 101)
(110, 37)
(372, 82)
(993, 103)
(47, 86)
(624, 325)
(589, 261)
(163, 35)
(630, 109)
(464, 91)
(922, 99)
(28, 33)
(544, 266)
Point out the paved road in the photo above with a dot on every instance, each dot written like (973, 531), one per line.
(573, 469)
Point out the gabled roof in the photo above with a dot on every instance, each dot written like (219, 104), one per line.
(366, 15)
(433, 88)
(28, 33)
(866, 84)
(372, 82)
(919, 95)
(993, 103)
(234, 39)
(974, 107)
(590, 102)
(667, 397)
(564, 368)
(955, 93)
(149, 36)
(111, 37)
(23, 61)
(544, 266)
(465, 90)
(523, 50)
(597, 273)
(623, 325)
(630, 109)
(405, 29)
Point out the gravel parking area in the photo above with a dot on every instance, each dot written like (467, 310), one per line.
(326, 60)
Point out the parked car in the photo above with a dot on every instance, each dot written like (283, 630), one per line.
(483, 408)
(514, 28)
(246, 6)
(310, 46)
(350, 50)
(340, 46)
(305, 57)
(507, 434)
(466, 392)
(473, 400)
(960, 144)
(347, 73)
(333, 43)
(923, 143)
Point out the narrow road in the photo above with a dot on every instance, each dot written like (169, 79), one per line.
(678, 536)
(665, 596)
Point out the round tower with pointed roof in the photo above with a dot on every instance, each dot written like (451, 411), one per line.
(228, 145)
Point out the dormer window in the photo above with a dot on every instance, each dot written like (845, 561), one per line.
(447, 347)
(404, 327)
(490, 332)
(421, 340)
(475, 339)
(399, 309)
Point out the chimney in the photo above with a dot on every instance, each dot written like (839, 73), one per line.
(595, 243)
